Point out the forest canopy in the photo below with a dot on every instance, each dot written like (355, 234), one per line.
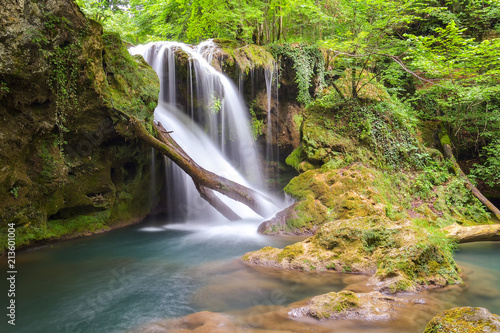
(271, 21)
(441, 55)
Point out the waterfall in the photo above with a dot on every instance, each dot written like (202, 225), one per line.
(272, 135)
(209, 122)
(269, 86)
(152, 188)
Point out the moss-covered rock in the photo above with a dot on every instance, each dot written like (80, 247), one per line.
(402, 256)
(375, 198)
(331, 305)
(464, 320)
(346, 304)
(73, 167)
(327, 194)
(243, 59)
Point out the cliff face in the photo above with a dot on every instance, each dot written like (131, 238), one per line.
(67, 165)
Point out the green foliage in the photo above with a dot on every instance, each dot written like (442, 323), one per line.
(63, 83)
(15, 191)
(256, 124)
(387, 127)
(307, 62)
(490, 170)
(191, 21)
(465, 92)
(215, 104)
(4, 89)
(114, 15)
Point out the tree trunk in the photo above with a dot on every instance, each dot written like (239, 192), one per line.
(354, 90)
(217, 203)
(280, 31)
(203, 179)
(477, 233)
(448, 153)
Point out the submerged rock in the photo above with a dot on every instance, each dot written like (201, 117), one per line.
(466, 320)
(200, 322)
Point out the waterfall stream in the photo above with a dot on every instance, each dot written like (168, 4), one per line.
(212, 124)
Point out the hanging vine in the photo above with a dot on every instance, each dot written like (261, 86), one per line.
(307, 61)
(63, 83)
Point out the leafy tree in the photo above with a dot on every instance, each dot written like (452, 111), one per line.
(490, 170)
(366, 43)
(465, 76)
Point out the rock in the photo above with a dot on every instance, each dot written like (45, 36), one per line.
(325, 194)
(349, 305)
(402, 256)
(277, 225)
(200, 322)
(466, 320)
(74, 168)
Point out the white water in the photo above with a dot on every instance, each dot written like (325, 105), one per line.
(269, 88)
(213, 130)
(273, 131)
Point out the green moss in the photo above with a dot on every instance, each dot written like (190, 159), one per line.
(245, 58)
(445, 139)
(55, 229)
(463, 320)
(290, 252)
(309, 213)
(78, 175)
(405, 255)
(128, 76)
(295, 158)
(298, 119)
(332, 304)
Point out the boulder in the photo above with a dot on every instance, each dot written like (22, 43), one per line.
(466, 320)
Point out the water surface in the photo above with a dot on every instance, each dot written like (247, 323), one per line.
(120, 280)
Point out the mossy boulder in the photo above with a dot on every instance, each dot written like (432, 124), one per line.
(464, 320)
(321, 143)
(73, 167)
(327, 194)
(242, 59)
(374, 198)
(402, 256)
(363, 158)
(346, 304)
(330, 306)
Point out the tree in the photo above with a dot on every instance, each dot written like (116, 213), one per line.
(465, 76)
(366, 43)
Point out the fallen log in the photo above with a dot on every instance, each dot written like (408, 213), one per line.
(204, 180)
(476, 233)
(448, 153)
(217, 203)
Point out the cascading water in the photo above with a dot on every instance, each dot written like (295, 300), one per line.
(272, 135)
(269, 87)
(211, 123)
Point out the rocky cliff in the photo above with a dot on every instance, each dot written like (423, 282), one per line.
(67, 164)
